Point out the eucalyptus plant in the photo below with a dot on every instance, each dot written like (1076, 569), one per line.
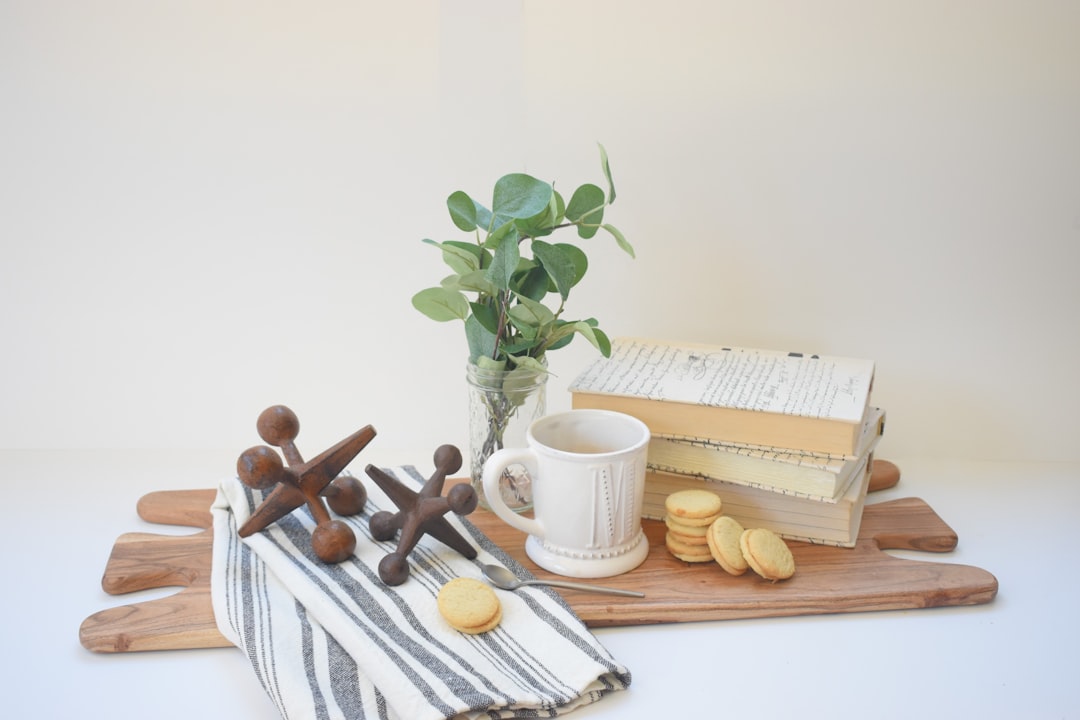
(510, 269)
(510, 285)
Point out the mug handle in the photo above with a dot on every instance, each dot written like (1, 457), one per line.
(492, 474)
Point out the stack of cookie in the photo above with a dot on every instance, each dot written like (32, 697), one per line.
(689, 515)
(699, 532)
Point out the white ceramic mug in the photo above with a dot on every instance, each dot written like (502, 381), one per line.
(588, 475)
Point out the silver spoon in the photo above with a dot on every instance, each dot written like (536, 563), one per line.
(500, 577)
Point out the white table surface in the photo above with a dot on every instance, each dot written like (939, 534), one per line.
(1014, 657)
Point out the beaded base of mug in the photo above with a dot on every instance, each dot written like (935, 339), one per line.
(595, 553)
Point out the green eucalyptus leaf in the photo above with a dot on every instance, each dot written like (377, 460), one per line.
(563, 341)
(586, 209)
(534, 231)
(558, 264)
(606, 166)
(562, 332)
(596, 336)
(488, 363)
(586, 201)
(541, 224)
(441, 304)
(475, 281)
(462, 210)
(577, 257)
(525, 335)
(481, 341)
(525, 263)
(620, 239)
(518, 196)
(503, 264)
(603, 342)
(560, 207)
(521, 347)
(487, 315)
(462, 257)
(469, 251)
(506, 230)
(485, 220)
(532, 282)
(533, 365)
(529, 315)
(587, 231)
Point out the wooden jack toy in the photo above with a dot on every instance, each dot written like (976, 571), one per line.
(421, 513)
(302, 482)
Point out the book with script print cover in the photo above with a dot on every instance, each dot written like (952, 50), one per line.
(813, 403)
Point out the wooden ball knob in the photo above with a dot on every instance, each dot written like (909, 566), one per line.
(447, 459)
(260, 467)
(382, 525)
(346, 495)
(394, 569)
(333, 541)
(462, 499)
(278, 425)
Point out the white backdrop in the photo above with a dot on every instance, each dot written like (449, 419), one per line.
(210, 207)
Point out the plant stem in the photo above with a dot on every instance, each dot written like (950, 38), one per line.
(504, 304)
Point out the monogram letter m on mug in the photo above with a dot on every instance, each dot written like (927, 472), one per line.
(588, 470)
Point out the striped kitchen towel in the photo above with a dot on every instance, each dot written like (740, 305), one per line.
(333, 641)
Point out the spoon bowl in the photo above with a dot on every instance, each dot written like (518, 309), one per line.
(502, 578)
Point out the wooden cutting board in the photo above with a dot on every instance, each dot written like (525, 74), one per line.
(827, 579)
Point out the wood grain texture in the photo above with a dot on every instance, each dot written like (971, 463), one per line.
(827, 579)
(144, 561)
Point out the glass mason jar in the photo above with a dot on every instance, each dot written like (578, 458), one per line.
(502, 405)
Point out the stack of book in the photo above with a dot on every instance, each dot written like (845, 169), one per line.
(785, 439)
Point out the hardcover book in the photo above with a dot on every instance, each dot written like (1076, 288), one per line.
(814, 403)
(791, 515)
(769, 468)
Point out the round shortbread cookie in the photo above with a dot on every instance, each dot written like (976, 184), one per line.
(688, 553)
(691, 558)
(489, 625)
(469, 605)
(682, 528)
(693, 504)
(687, 539)
(723, 539)
(702, 522)
(767, 554)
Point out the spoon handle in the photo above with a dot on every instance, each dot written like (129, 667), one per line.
(586, 588)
